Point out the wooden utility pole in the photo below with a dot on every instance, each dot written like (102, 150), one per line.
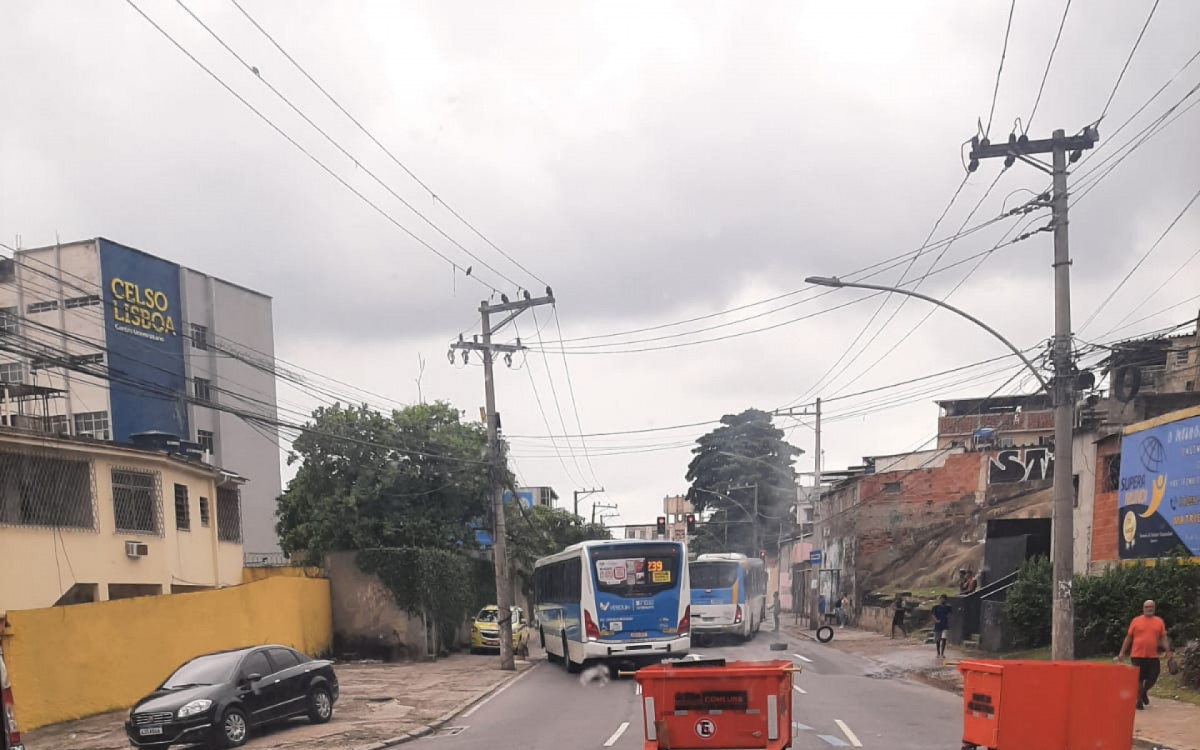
(484, 344)
(1061, 148)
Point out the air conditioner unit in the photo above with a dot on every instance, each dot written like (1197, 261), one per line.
(136, 549)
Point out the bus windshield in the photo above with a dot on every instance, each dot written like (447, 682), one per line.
(713, 575)
(636, 570)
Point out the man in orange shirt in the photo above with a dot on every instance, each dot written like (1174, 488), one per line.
(1147, 633)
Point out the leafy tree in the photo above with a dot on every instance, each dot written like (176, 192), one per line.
(539, 531)
(745, 456)
(415, 478)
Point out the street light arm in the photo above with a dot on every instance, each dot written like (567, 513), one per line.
(838, 283)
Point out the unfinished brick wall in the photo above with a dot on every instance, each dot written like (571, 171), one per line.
(1104, 507)
(966, 424)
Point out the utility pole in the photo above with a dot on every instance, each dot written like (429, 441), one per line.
(1059, 146)
(809, 595)
(584, 493)
(600, 506)
(494, 468)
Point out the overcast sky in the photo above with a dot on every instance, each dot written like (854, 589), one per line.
(653, 162)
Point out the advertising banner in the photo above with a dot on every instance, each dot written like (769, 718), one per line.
(1159, 503)
(142, 318)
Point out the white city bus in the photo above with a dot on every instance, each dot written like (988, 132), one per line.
(619, 600)
(729, 593)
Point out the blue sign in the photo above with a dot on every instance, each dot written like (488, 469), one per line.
(814, 556)
(525, 496)
(142, 320)
(1159, 502)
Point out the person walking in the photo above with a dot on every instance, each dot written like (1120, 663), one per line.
(845, 610)
(941, 624)
(1147, 634)
(839, 613)
(775, 607)
(898, 617)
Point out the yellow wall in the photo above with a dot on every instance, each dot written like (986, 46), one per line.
(70, 662)
(53, 560)
(259, 574)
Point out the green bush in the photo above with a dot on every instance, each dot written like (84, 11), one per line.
(1105, 604)
(438, 584)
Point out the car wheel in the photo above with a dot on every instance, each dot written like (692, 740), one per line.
(234, 729)
(320, 706)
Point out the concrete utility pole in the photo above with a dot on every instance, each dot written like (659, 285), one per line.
(499, 546)
(601, 506)
(584, 493)
(813, 614)
(1063, 622)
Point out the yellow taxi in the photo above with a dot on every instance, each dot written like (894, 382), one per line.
(485, 632)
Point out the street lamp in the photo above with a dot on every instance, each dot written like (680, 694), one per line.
(1062, 518)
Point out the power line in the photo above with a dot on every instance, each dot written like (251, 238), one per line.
(1003, 53)
(1141, 260)
(545, 420)
(574, 404)
(1159, 288)
(433, 194)
(1049, 62)
(1129, 59)
(328, 170)
(333, 142)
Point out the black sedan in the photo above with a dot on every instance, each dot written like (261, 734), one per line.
(219, 698)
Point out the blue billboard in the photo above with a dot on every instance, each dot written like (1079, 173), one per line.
(1159, 502)
(142, 320)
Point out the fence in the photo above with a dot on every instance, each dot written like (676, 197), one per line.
(70, 662)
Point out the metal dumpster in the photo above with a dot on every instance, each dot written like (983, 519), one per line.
(715, 704)
(1048, 705)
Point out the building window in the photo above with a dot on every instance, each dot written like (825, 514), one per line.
(136, 504)
(1112, 473)
(41, 307)
(1005, 442)
(891, 488)
(44, 490)
(207, 441)
(1075, 485)
(12, 372)
(56, 424)
(183, 513)
(229, 515)
(204, 518)
(199, 337)
(9, 320)
(79, 360)
(71, 303)
(202, 389)
(92, 423)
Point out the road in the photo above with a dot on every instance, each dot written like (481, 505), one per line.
(842, 700)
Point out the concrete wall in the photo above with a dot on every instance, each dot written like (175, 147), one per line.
(366, 620)
(53, 560)
(70, 662)
(1084, 463)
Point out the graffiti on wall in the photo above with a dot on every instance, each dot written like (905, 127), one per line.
(1021, 465)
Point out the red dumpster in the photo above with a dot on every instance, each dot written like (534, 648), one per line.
(714, 704)
(1048, 705)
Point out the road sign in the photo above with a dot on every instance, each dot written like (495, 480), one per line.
(706, 728)
(814, 556)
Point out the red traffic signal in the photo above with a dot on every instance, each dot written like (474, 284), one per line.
(662, 525)
(691, 523)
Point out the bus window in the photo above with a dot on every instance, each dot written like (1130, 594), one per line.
(631, 571)
(713, 575)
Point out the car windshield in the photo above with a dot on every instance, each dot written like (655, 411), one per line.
(204, 670)
(487, 615)
(713, 575)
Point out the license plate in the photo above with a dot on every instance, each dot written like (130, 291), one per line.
(638, 635)
(147, 731)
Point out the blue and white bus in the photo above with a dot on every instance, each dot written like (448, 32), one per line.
(729, 594)
(619, 600)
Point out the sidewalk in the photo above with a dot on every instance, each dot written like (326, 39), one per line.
(1165, 724)
(379, 702)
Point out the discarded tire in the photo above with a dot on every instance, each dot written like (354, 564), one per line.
(825, 634)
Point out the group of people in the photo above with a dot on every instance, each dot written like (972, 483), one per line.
(841, 609)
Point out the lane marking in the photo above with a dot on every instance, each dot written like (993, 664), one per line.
(800, 690)
(849, 734)
(803, 658)
(835, 741)
(617, 734)
(801, 727)
(486, 700)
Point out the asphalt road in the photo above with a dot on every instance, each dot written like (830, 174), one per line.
(842, 700)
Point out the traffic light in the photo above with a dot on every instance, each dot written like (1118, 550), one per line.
(691, 523)
(662, 525)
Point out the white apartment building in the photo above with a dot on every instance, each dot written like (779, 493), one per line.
(109, 342)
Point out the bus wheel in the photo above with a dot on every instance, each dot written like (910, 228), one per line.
(572, 667)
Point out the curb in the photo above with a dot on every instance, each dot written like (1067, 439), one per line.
(426, 729)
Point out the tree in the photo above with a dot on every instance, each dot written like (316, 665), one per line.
(414, 478)
(745, 456)
(536, 532)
